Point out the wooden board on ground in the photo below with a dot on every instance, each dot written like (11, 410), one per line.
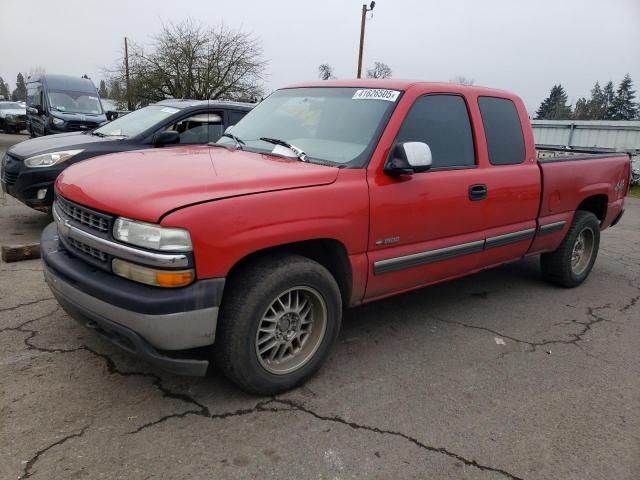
(16, 253)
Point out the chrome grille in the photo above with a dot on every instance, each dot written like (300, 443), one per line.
(85, 216)
(94, 252)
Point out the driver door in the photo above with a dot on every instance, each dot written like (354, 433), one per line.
(428, 226)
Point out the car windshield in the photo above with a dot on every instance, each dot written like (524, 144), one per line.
(74, 102)
(136, 122)
(335, 125)
(10, 106)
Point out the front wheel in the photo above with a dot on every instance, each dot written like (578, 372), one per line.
(571, 263)
(278, 321)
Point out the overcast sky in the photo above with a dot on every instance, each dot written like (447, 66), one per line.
(518, 45)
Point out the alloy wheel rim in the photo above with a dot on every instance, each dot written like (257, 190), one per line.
(582, 251)
(291, 330)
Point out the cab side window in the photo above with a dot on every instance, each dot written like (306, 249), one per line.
(503, 130)
(442, 122)
(201, 128)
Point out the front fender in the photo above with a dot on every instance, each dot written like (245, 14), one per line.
(225, 231)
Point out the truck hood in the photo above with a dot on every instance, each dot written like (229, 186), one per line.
(146, 184)
(52, 143)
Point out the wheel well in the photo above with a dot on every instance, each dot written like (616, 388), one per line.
(596, 204)
(330, 253)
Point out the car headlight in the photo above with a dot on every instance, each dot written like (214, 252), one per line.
(10, 116)
(49, 159)
(57, 121)
(149, 235)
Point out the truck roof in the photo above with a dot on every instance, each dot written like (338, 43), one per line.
(64, 82)
(184, 103)
(393, 84)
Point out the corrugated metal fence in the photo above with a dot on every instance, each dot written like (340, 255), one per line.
(604, 135)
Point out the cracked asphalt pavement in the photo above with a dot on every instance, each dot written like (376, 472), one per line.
(493, 376)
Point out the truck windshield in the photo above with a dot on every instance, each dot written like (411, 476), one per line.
(136, 122)
(74, 102)
(335, 125)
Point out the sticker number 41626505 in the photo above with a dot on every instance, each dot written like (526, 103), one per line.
(376, 94)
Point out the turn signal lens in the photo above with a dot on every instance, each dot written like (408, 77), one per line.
(150, 276)
(174, 279)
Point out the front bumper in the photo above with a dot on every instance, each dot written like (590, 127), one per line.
(148, 321)
(18, 124)
(23, 183)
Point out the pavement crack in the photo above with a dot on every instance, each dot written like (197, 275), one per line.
(28, 467)
(200, 409)
(272, 406)
(275, 405)
(26, 304)
(586, 326)
(632, 303)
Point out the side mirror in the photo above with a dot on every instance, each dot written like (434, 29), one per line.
(408, 158)
(166, 138)
(111, 115)
(35, 110)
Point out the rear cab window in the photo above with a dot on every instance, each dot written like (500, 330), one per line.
(442, 122)
(503, 130)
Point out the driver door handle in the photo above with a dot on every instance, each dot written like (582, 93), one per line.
(477, 192)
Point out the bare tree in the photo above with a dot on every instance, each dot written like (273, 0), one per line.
(325, 72)
(463, 80)
(187, 60)
(379, 70)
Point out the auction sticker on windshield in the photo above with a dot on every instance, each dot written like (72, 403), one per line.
(376, 94)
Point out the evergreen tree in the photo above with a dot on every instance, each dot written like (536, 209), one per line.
(582, 109)
(554, 107)
(609, 97)
(20, 92)
(597, 104)
(102, 91)
(623, 107)
(4, 89)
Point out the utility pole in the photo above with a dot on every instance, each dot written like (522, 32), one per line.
(365, 9)
(126, 72)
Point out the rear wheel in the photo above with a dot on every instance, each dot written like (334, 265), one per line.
(278, 321)
(572, 262)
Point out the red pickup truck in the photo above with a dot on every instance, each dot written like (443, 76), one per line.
(326, 195)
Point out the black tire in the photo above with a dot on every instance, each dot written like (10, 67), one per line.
(557, 266)
(246, 302)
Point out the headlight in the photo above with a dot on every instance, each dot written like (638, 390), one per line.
(152, 236)
(48, 159)
(57, 121)
(10, 116)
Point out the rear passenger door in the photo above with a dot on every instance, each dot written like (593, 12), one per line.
(427, 227)
(513, 181)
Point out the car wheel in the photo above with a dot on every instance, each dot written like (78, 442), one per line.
(572, 262)
(279, 319)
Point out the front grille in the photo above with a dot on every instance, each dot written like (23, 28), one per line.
(9, 178)
(85, 216)
(21, 118)
(77, 125)
(94, 252)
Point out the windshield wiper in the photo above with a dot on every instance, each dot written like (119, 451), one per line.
(298, 151)
(239, 142)
(97, 134)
